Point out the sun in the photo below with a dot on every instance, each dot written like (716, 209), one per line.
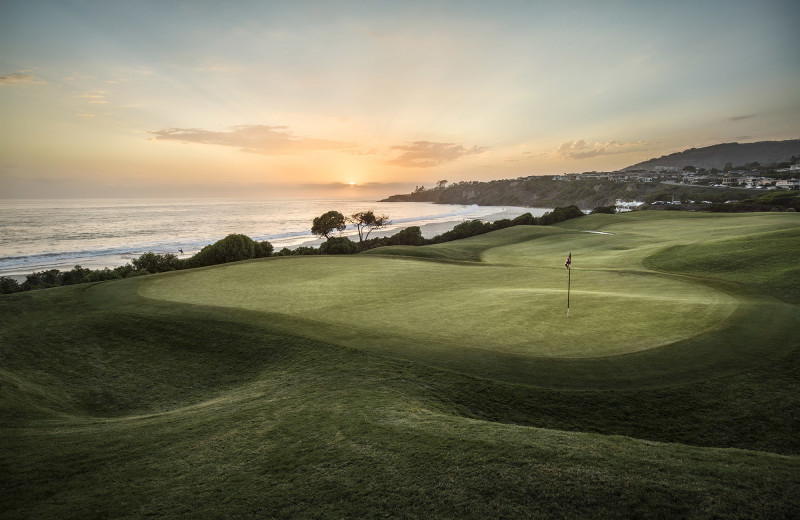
(351, 183)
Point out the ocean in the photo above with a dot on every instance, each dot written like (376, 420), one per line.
(37, 235)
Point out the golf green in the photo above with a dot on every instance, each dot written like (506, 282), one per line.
(443, 381)
(504, 315)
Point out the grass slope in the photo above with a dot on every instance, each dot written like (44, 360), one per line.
(118, 402)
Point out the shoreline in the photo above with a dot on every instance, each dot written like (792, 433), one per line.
(429, 230)
(433, 229)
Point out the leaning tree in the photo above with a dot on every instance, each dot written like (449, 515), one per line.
(327, 223)
(366, 222)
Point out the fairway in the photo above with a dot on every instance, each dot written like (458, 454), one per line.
(443, 381)
(503, 313)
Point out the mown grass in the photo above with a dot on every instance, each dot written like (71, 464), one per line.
(119, 405)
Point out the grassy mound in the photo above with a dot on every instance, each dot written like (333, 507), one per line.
(269, 389)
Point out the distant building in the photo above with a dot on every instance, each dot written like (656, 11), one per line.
(788, 184)
(623, 206)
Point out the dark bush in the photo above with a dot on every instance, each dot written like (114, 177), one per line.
(560, 214)
(501, 224)
(469, 228)
(232, 248)
(42, 280)
(609, 210)
(526, 219)
(410, 236)
(338, 246)
(156, 263)
(9, 285)
(264, 249)
(100, 275)
(78, 274)
(306, 250)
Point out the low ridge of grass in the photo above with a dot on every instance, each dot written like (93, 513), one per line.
(468, 249)
(119, 405)
(766, 261)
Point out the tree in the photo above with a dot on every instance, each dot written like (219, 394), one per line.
(366, 222)
(327, 223)
(440, 185)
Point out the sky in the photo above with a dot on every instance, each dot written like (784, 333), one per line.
(370, 98)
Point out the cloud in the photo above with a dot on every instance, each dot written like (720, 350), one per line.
(739, 118)
(97, 97)
(18, 78)
(583, 150)
(426, 154)
(263, 139)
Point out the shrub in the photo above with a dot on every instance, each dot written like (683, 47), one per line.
(338, 246)
(560, 214)
(526, 219)
(78, 274)
(501, 224)
(42, 280)
(9, 285)
(306, 250)
(232, 248)
(264, 249)
(100, 275)
(610, 210)
(156, 263)
(410, 236)
(469, 228)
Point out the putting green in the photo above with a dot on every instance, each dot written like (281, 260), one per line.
(504, 309)
(505, 316)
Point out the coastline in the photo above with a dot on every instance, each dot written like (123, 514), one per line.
(437, 228)
(429, 230)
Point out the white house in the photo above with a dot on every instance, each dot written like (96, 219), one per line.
(788, 184)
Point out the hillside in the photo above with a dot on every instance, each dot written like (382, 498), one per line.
(544, 192)
(717, 156)
(388, 385)
(588, 192)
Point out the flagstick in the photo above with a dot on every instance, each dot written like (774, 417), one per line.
(569, 282)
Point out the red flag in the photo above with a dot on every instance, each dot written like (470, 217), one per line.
(569, 260)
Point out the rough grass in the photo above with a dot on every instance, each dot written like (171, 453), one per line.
(116, 405)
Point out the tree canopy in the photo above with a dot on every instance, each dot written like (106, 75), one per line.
(327, 223)
(366, 222)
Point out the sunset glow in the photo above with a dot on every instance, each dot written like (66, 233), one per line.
(272, 99)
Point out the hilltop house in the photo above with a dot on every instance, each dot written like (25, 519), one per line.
(788, 184)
